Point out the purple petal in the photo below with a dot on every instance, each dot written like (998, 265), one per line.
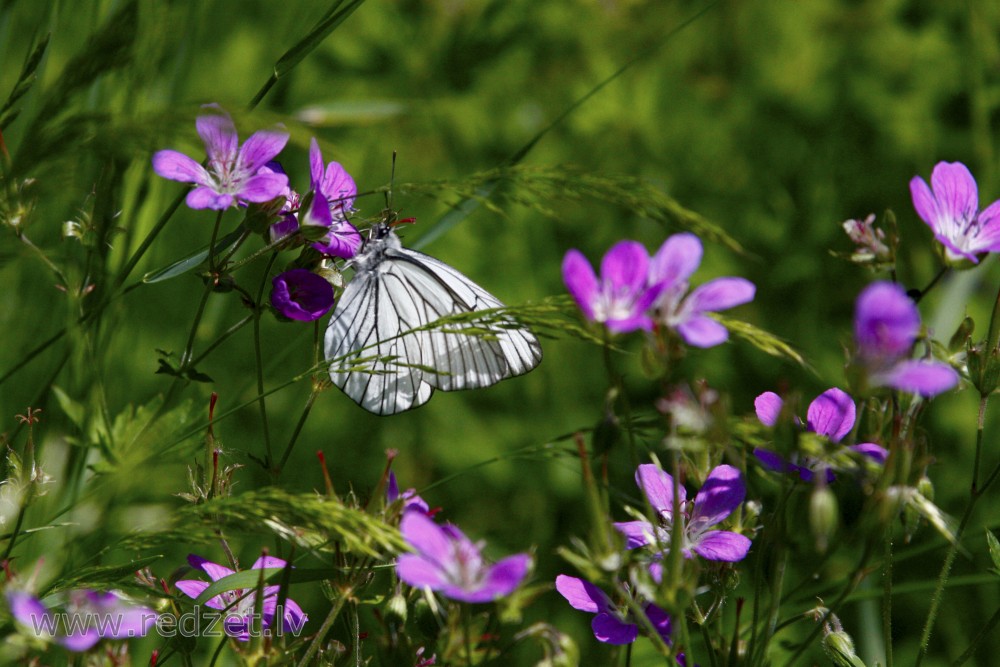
(284, 227)
(318, 214)
(28, 611)
(924, 202)
(831, 414)
(179, 167)
(927, 378)
(216, 129)
(268, 561)
(343, 241)
(260, 148)
(722, 492)
(610, 629)
(660, 621)
(772, 461)
(768, 407)
(988, 238)
(213, 570)
(955, 192)
(722, 545)
(886, 321)
(263, 187)
(582, 594)
(193, 588)
(315, 165)
(676, 260)
(875, 452)
(703, 331)
(80, 640)
(658, 486)
(419, 572)
(506, 574)
(720, 294)
(629, 324)
(625, 266)
(205, 197)
(580, 281)
(339, 187)
(428, 538)
(637, 533)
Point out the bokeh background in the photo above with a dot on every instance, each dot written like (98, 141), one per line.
(775, 121)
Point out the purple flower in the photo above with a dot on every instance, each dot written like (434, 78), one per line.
(831, 415)
(234, 172)
(410, 498)
(450, 563)
(333, 196)
(886, 324)
(951, 210)
(722, 492)
(88, 616)
(622, 296)
(610, 625)
(670, 269)
(301, 295)
(238, 606)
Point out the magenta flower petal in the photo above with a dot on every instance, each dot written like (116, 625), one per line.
(29, 611)
(506, 575)
(260, 148)
(195, 587)
(702, 331)
(343, 241)
(610, 629)
(924, 202)
(989, 228)
(300, 294)
(216, 129)
(951, 208)
(660, 620)
(419, 572)
(179, 167)
(720, 294)
(927, 378)
(582, 594)
(768, 406)
(658, 485)
(429, 539)
(339, 187)
(831, 414)
(581, 282)
(213, 570)
(722, 545)
(80, 640)
(263, 187)
(637, 533)
(955, 191)
(773, 461)
(676, 260)
(624, 267)
(875, 452)
(204, 197)
(886, 322)
(722, 492)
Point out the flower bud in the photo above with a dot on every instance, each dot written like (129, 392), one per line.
(395, 610)
(839, 647)
(962, 334)
(824, 515)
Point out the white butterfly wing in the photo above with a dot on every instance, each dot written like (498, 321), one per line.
(373, 328)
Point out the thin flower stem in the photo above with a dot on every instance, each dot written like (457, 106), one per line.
(221, 339)
(978, 639)
(323, 629)
(218, 651)
(467, 632)
(887, 599)
(261, 400)
(148, 241)
(934, 281)
(211, 243)
(298, 429)
(975, 493)
(185, 363)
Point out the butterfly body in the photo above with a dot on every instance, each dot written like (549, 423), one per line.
(383, 354)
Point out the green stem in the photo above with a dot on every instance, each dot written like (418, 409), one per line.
(211, 243)
(978, 639)
(298, 429)
(887, 600)
(261, 400)
(975, 493)
(185, 362)
(323, 630)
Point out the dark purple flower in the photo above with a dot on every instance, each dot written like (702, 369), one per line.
(410, 498)
(722, 492)
(87, 617)
(238, 606)
(333, 196)
(831, 415)
(610, 625)
(234, 172)
(301, 295)
(670, 268)
(449, 562)
(951, 210)
(886, 324)
(621, 297)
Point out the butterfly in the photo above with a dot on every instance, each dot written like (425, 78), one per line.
(381, 324)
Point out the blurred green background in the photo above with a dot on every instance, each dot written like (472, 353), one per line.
(776, 121)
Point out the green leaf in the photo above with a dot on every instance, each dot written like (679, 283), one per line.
(994, 547)
(763, 340)
(76, 412)
(248, 579)
(193, 261)
(24, 81)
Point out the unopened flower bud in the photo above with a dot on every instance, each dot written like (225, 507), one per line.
(824, 515)
(839, 647)
(395, 610)
(962, 333)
